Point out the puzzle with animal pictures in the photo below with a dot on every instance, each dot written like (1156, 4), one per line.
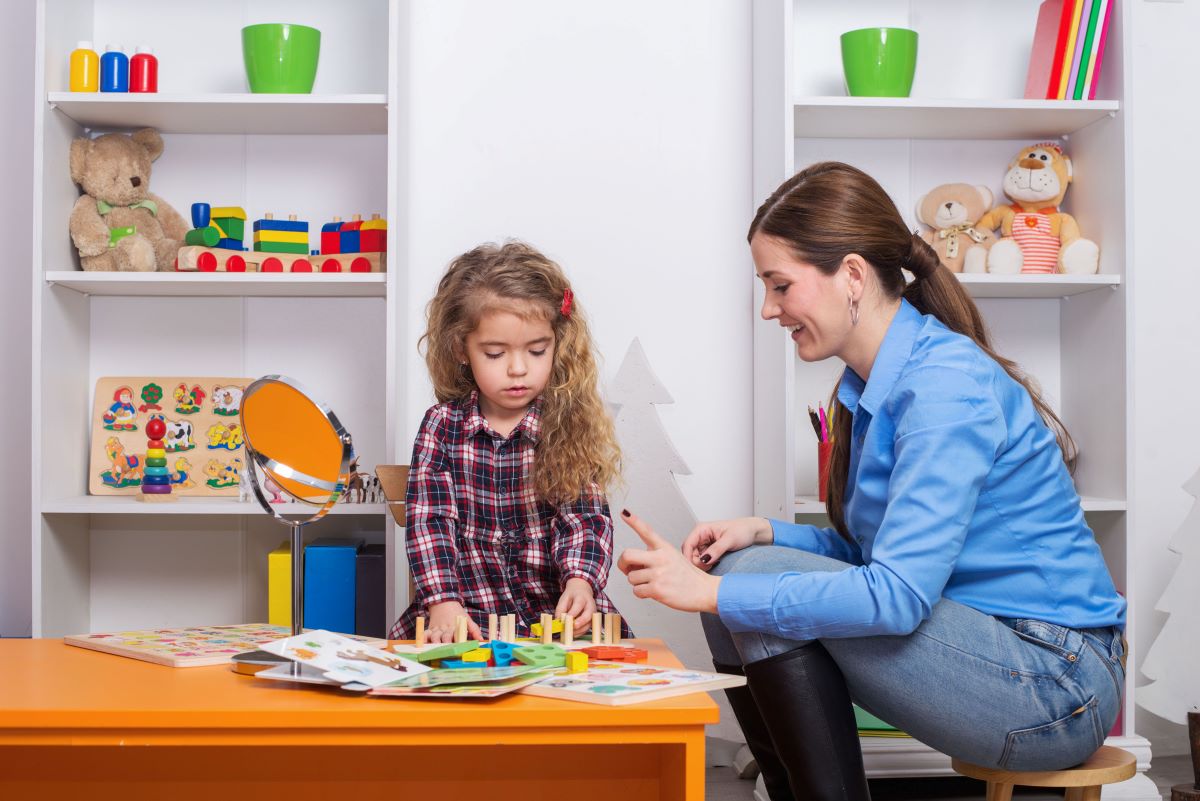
(203, 443)
(195, 646)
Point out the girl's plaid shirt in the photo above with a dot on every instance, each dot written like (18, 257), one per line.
(478, 535)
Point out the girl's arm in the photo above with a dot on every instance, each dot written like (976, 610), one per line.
(432, 515)
(583, 540)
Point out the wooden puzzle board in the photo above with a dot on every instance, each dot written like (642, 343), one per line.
(204, 441)
(195, 646)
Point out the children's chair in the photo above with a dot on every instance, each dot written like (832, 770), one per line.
(1082, 782)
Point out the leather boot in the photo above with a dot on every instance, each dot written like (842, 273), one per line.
(758, 739)
(802, 697)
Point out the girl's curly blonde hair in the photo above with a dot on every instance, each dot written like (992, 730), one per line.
(577, 447)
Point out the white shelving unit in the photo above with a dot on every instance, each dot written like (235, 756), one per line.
(962, 123)
(110, 562)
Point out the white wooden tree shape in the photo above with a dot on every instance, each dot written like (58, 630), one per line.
(650, 464)
(1171, 661)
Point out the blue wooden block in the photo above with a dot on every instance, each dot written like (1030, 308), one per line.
(329, 584)
(281, 225)
(230, 244)
(455, 664)
(502, 653)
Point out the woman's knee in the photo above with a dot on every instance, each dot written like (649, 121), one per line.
(775, 559)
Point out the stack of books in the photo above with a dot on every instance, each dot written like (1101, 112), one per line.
(1068, 49)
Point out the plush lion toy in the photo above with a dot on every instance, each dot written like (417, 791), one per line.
(118, 223)
(951, 211)
(1037, 237)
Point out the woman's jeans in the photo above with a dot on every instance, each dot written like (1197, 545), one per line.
(1011, 693)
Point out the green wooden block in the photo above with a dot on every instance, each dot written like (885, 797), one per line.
(207, 236)
(447, 651)
(232, 226)
(543, 656)
(281, 247)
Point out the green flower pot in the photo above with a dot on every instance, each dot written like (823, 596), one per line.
(281, 58)
(879, 62)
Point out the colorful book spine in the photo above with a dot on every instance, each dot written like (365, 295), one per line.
(1064, 74)
(370, 609)
(279, 585)
(329, 569)
(1060, 46)
(1041, 55)
(1098, 51)
(1089, 41)
(1084, 15)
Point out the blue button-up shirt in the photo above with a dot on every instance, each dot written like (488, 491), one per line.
(956, 489)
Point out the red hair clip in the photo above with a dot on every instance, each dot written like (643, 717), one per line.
(568, 299)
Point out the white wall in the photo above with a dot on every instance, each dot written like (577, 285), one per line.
(615, 137)
(1165, 382)
(16, 176)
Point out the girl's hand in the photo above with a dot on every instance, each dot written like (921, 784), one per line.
(442, 619)
(579, 602)
(708, 542)
(661, 572)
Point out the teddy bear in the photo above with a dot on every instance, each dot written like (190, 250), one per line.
(118, 223)
(951, 211)
(1037, 237)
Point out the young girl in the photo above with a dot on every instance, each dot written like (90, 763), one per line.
(506, 506)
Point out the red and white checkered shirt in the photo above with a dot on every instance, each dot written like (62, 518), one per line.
(477, 533)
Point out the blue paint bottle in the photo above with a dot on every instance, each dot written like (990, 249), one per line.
(114, 70)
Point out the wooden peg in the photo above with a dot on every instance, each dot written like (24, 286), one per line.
(547, 628)
(291, 218)
(596, 632)
(616, 630)
(419, 639)
(460, 629)
(491, 627)
(270, 215)
(608, 628)
(568, 633)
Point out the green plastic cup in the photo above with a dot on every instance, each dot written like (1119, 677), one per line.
(281, 58)
(879, 62)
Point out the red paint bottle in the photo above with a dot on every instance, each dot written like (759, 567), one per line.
(143, 71)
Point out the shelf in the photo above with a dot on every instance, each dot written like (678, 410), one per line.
(987, 285)
(128, 505)
(924, 118)
(340, 285)
(226, 113)
(809, 505)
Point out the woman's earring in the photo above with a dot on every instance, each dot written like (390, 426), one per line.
(853, 312)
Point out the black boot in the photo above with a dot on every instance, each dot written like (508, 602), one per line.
(758, 739)
(802, 697)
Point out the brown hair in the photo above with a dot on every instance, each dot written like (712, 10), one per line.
(577, 447)
(829, 210)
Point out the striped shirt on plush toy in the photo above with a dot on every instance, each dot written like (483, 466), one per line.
(1039, 247)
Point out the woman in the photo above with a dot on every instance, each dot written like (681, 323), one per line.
(959, 594)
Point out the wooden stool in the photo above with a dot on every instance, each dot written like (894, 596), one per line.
(1082, 782)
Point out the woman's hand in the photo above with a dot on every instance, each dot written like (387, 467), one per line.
(442, 619)
(662, 573)
(579, 602)
(708, 542)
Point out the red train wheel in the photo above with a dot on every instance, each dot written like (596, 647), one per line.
(235, 264)
(331, 266)
(360, 265)
(206, 263)
(302, 266)
(271, 265)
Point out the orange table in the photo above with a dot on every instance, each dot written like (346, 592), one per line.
(88, 726)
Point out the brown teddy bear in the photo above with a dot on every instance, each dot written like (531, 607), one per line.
(951, 211)
(1038, 238)
(118, 223)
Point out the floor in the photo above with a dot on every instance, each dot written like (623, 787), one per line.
(722, 784)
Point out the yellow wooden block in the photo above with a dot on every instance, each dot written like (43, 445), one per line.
(577, 662)
(555, 628)
(279, 585)
(155, 453)
(294, 237)
(478, 655)
(227, 211)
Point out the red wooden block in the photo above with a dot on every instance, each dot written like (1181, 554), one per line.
(235, 264)
(156, 428)
(271, 265)
(155, 443)
(302, 266)
(615, 653)
(373, 240)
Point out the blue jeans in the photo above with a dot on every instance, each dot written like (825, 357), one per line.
(1011, 693)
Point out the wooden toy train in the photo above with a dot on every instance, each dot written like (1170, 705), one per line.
(280, 246)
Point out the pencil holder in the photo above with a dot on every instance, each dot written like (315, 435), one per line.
(824, 449)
